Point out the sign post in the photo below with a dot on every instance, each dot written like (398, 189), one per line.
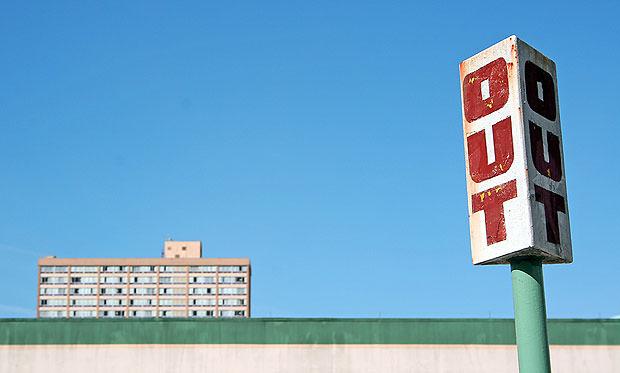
(518, 210)
(530, 315)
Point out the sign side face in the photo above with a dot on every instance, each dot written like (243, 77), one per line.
(500, 219)
(543, 135)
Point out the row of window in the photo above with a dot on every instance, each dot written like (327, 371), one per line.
(144, 280)
(142, 291)
(141, 269)
(231, 302)
(139, 313)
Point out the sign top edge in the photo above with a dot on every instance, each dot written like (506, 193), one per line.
(513, 39)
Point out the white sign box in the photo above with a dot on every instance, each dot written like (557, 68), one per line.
(516, 183)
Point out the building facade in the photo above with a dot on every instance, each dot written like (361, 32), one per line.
(179, 284)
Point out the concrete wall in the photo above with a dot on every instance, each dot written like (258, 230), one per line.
(296, 345)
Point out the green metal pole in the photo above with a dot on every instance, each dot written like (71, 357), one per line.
(528, 293)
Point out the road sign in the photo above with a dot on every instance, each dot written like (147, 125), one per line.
(516, 182)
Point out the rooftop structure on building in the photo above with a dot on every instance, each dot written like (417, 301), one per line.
(179, 284)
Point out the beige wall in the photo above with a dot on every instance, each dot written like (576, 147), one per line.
(296, 358)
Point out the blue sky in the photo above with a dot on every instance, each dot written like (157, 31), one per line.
(321, 139)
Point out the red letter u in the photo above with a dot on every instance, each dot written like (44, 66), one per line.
(479, 167)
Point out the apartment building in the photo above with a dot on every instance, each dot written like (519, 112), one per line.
(179, 284)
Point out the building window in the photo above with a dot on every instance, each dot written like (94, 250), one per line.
(112, 291)
(170, 313)
(233, 268)
(172, 302)
(114, 280)
(175, 269)
(231, 302)
(141, 269)
(112, 302)
(172, 280)
(202, 280)
(53, 269)
(84, 291)
(86, 269)
(53, 291)
(203, 302)
(231, 313)
(232, 280)
(53, 280)
(113, 268)
(84, 302)
(83, 280)
(141, 302)
(143, 280)
(111, 313)
(54, 302)
(172, 291)
(201, 313)
(203, 269)
(232, 291)
(227, 313)
(142, 313)
(143, 291)
(83, 313)
(52, 314)
(202, 291)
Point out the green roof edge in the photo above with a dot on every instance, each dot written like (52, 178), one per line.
(298, 331)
